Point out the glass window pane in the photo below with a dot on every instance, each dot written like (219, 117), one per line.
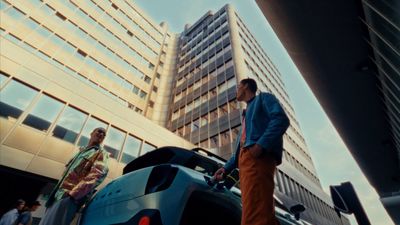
(44, 32)
(113, 142)
(147, 148)
(15, 14)
(92, 124)
(44, 113)
(14, 99)
(70, 124)
(131, 149)
(3, 5)
(3, 79)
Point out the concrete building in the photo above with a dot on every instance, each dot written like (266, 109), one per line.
(70, 66)
(214, 54)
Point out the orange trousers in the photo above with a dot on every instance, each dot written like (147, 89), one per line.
(257, 187)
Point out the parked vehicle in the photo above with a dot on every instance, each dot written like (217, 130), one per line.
(170, 186)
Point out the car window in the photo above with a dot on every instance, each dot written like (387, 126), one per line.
(202, 164)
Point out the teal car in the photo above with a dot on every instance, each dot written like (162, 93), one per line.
(170, 186)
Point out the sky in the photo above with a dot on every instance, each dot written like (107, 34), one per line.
(333, 161)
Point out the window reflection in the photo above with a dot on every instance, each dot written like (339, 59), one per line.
(131, 149)
(147, 148)
(225, 138)
(113, 142)
(44, 113)
(3, 79)
(14, 14)
(214, 142)
(89, 127)
(69, 125)
(15, 98)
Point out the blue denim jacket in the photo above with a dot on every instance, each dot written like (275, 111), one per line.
(266, 122)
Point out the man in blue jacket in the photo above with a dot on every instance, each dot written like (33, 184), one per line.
(258, 151)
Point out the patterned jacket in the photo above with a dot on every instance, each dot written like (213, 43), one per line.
(83, 173)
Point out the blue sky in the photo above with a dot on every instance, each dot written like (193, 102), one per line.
(332, 159)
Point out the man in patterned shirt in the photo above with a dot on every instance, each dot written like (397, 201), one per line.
(84, 172)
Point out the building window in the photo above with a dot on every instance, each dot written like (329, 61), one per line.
(15, 98)
(225, 138)
(204, 144)
(113, 141)
(91, 124)
(147, 79)
(223, 110)
(195, 125)
(214, 142)
(131, 149)
(233, 106)
(213, 115)
(3, 78)
(235, 133)
(155, 89)
(143, 94)
(135, 90)
(187, 129)
(151, 104)
(44, 113)
(147, 148)
(70, 124)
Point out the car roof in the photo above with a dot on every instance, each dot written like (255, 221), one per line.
(176, 155)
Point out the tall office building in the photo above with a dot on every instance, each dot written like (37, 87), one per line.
(70, 66)
(214, 54)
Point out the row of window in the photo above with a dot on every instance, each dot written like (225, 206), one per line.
(64, 121)
(294, 162)
(209, 51)
(189, 106)
(65, 48)
(116, 24)
(76, 74)
(298, 147)
(212, 58)
(260, 50)
(222, 139)
(254, 67)
(198, 47)
(87, 64)
(137, 14)
(205, 120)
(112, 39)
(107, 36)
(211, 61)
(212, 22)
(195, 42)
(79, 75)
(295, 190)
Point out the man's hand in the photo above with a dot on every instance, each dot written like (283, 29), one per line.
(255, 150)
(219, 174)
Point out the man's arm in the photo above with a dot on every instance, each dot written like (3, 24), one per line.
(96, 175)
(278, 124)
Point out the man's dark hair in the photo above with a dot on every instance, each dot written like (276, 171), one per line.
(19, 202)
(250, 83)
